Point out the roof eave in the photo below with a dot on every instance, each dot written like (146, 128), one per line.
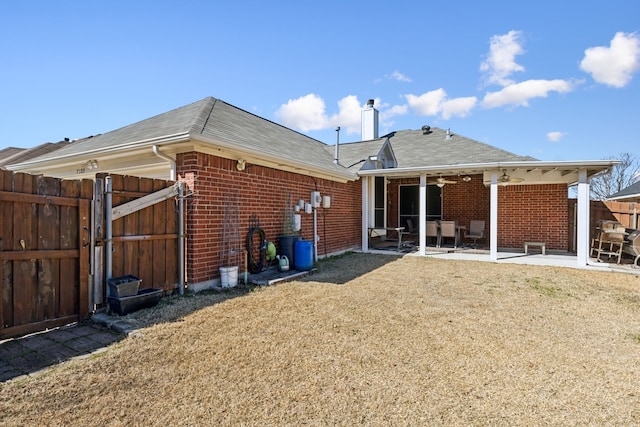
(217, 147)
(110, 150)
(592, 167)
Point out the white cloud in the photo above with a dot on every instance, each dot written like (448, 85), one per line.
(500, 62)
(397, 75)
(458, 107)
(396, 110)
(306, 113)
(521, 93)
(348, 116)
(427, 104)
(614, 65)
(555, 136)
(435, 102)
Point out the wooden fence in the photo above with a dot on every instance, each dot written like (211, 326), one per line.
(626, 213)
(145, 243)
(44, 239)
(48, 229)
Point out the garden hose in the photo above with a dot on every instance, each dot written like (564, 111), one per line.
(256, 266)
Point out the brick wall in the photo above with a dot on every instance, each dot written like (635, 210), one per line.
(533, 213)
(264, 193)
(462, 201)
(466, 201)
(525, 212)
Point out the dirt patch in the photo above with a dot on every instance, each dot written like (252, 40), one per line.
(368, 339)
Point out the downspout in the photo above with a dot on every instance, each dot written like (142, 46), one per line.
(172, 162)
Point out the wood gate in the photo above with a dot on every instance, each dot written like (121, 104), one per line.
(52, 246)
(44, 252)
(144, 242)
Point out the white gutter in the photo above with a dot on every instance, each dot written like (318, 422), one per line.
(73, 157)
(172, 162)
(597, 164)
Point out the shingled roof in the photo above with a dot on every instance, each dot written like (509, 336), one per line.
(413, 148)
(210, 122)
(630, 193)
(13, 155)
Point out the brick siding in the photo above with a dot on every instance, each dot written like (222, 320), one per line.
(533, 213)
(525, 212)
(262, 192)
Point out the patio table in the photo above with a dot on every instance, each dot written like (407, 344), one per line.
(397, 230)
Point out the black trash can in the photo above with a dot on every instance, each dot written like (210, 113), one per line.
(287, 247)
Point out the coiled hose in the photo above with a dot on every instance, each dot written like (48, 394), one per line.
(253, 265)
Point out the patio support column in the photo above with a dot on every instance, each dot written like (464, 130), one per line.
(583, 219)
(365, 213)
(422, 215)
(493, 218)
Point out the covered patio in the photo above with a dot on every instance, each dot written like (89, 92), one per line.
(567, 260)
(508, 213)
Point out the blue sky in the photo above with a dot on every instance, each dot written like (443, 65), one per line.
(557, 80)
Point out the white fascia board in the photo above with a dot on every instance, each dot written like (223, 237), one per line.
(73, 158)
(597, 165)
(628, 196)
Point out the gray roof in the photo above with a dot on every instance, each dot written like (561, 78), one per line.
(412, 148)
(353, 154)
(211, 121)
(178, 121)
(6, 154)
(247, 131)
(14, 155)
(632, 191)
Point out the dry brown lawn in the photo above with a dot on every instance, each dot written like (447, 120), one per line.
(368, 340)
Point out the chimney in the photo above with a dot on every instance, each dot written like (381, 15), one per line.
(369, 122)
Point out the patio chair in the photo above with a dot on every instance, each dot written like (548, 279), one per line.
(410, 228)
(432, 231)
(448, 230)
(602, 229)
(411, 231)
(476, 231)
(610, 243)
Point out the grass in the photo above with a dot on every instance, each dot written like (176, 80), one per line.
(367, 340)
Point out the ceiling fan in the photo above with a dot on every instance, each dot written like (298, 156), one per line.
(440, 182)
(504, 178)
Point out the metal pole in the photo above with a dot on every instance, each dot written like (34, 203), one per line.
(315, 234)
(108, 248)
(336, 159)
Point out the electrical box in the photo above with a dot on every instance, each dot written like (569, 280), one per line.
(326, 202)
(315, 199)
